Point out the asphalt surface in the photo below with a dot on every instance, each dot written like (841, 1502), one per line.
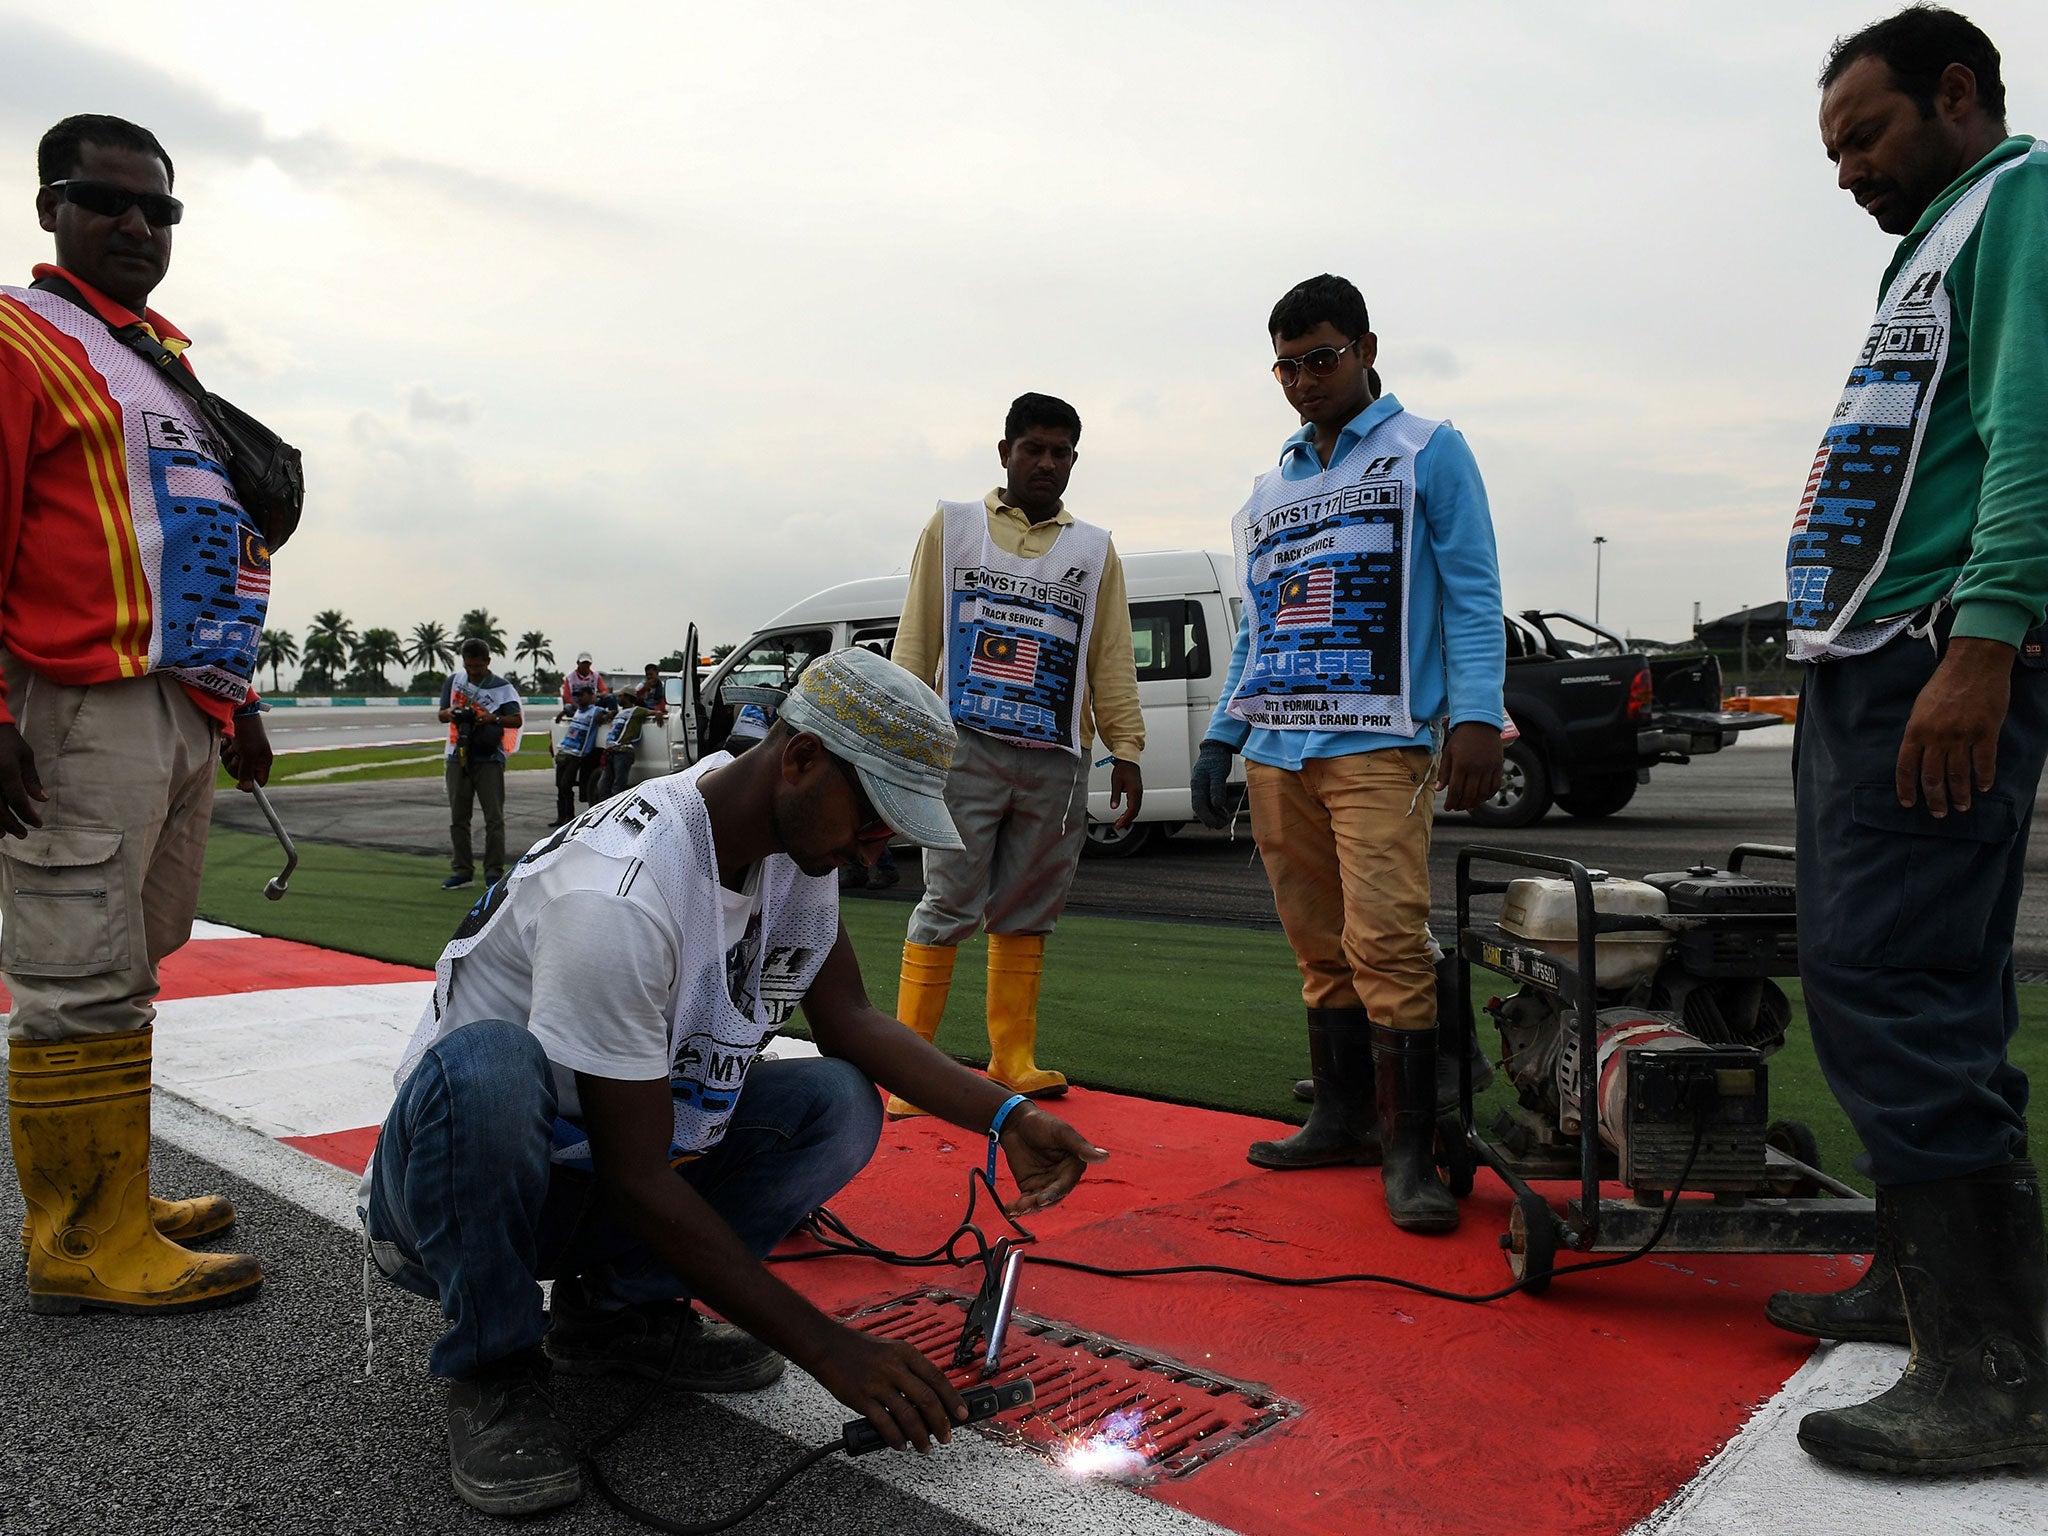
(1685, 815)
(259, 1418)
(300, 729)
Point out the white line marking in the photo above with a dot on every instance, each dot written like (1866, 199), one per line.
(999, 1489)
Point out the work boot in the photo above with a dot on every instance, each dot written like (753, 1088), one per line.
(668, 1341)
(1343, 1127)
(79, 1115)
(1404, 1091)
(507, 1452)
(182, 1221)
(1016, 966)
(1974, 1274)
(1448, 1036)
(921, 1001)
(1872, 1311)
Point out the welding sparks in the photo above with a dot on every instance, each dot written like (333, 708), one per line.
(1117, 1448)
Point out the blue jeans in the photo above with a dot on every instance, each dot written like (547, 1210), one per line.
(467, 1209)
(1906, 923)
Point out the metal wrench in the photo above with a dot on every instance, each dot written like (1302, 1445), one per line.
(282, 881)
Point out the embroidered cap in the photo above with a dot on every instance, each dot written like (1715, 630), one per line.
(893, 730)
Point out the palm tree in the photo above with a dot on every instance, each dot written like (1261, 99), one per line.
(430, 648)
(534, 647)
(482, 624)
(378, 649)
(325, 656)
(275, 647)
(330, 622)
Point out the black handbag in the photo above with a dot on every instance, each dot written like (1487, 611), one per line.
(267, 472)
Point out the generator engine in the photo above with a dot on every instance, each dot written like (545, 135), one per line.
(1687, 1017)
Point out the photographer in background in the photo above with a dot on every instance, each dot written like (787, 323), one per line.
(478, 708)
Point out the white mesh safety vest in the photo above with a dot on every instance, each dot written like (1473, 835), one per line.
(1325, 564)
(1857, 488)
(660, 831)
(1017, 630)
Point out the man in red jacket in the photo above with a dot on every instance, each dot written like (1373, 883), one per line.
(132, 589)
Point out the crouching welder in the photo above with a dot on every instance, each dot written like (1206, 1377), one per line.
(586, 1099)
(124, 681)
(1017, 611)
(1372, 623)
(1916, 576)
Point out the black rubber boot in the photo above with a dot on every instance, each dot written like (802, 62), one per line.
(1872, 1311)
(1447, 1055)
(1341, 1128)
(1404, 1087)
(1974, 1273)
(507, 1452)
(665, 1341)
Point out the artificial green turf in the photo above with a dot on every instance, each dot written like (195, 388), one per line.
(1193, 1013)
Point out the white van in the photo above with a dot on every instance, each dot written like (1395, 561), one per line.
(1185, 605)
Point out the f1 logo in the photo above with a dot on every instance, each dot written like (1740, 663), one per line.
(1382, 466)
(1075, 574)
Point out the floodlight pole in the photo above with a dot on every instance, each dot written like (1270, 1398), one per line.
(1599, 540)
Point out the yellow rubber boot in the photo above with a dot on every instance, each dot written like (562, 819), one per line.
(182, 1221)
(921, 1001)
(1016, 965)
(78, 1111)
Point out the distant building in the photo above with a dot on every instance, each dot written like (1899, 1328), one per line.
(1750, 626)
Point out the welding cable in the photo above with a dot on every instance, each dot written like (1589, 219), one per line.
(855, 1246)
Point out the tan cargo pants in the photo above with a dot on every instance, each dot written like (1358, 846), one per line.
(92, 900)
(1345, 842)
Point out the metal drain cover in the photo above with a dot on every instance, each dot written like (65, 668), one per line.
(1168, 1418)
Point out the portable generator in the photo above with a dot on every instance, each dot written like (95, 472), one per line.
(1638, 1045)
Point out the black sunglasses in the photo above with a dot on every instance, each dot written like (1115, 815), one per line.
(872, 828)
(112, 202)
(1322, 362)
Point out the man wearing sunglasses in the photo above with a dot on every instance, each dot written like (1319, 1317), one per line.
(133, 587)
(586, 1098)
(1368, 672)
(1018, 612)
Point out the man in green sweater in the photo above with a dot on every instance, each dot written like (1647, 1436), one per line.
(1916, 578)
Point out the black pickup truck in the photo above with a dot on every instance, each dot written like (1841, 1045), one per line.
(1595, 717)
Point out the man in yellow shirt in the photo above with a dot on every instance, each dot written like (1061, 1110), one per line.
(1017, 616)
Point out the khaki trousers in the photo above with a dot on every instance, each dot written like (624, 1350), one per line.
(92, 900)
(1346, 845)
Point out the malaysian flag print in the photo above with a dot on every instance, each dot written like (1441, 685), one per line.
(1306, 599)
(252, 567)
(1004, 658)
(1813, 484)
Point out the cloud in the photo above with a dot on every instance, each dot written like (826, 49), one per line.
(54, 75)
(423, 405)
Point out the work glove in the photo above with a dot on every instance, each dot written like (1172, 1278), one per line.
(1210, 786)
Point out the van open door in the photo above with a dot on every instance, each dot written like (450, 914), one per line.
(685, 696)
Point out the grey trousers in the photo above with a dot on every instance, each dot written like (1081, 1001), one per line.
(485, 782)
(92, 900)
(1023, 814)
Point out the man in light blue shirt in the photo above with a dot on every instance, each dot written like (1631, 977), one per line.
(1367, 672)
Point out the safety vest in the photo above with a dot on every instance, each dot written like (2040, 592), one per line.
(1325, 564)
(1017, 630)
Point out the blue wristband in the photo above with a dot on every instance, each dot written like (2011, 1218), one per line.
(995, 1129)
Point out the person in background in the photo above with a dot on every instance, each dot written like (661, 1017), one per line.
(653, 692)
(581, 746)
(1916, 579)
(583, 675)
(478, 707)
(1017, 612)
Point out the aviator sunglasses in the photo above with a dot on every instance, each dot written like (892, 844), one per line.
(112, 202)
(1321, 363)
(872, 828)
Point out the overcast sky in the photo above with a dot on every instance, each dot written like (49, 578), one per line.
(613, 317)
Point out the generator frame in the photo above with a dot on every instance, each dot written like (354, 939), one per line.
(1839, 1219)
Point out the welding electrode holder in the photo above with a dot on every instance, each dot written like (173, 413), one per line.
(984, 1401)
(281, 882)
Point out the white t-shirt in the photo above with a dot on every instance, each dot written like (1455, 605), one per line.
(591, 969)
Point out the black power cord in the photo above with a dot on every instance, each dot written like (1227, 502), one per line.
(837, 1240)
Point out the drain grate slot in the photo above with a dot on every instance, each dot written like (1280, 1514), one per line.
(1167, 1416)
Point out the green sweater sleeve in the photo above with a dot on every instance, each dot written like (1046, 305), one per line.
(2004, 583)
